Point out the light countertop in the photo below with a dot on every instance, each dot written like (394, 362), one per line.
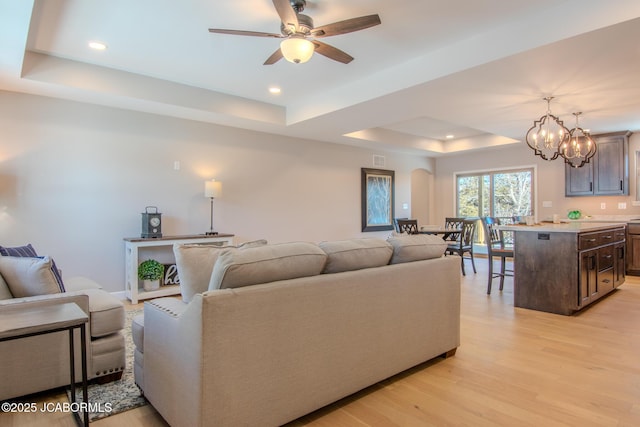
(564, 227)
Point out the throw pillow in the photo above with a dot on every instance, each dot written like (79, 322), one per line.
(355, 254)
(28, 277)
(264, 264)
(416, 247)
(29, 251)
(195, 264)
(5, 293)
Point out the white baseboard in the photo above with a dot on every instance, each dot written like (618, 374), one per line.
(121, 295)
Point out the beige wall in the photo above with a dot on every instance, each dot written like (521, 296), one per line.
(549, 185)
(74, 179)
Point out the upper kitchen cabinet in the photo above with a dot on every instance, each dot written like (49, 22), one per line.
(607, 174)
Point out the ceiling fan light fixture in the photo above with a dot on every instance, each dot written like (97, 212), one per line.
(297, 49)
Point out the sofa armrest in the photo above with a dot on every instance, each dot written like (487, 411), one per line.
(106, 312)
(171, 306)
(48, 300)
(173, 355)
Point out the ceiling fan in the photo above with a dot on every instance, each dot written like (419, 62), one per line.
(300, 35)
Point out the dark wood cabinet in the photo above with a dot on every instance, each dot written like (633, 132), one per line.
(633, 249)
(607, 174)
(563, 272)
(588, 276)
(602, 263)
(620, 267)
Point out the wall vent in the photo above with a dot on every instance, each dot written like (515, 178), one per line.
(378, 161)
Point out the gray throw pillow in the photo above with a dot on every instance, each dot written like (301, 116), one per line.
(5, 293)
(27, 277)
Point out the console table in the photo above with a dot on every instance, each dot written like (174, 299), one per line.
(22, 321)
(138, 249)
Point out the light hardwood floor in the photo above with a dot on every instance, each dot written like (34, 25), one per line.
(514, 367)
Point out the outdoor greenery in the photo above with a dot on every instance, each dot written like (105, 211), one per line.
(499, 194)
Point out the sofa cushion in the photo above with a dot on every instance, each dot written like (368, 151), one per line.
(30, 252)
(265, 264)
(195, 264)
(416, 247)
(27, 277)
(355, 254)
(106, 312)
(5, 293)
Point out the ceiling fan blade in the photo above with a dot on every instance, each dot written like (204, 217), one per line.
(332, 52)
(275, 57)
(244, 33)
(287, 15)
(346, 26)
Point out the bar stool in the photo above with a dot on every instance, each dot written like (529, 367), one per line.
(496, 248)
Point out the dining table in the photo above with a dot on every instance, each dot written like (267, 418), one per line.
(445, 232)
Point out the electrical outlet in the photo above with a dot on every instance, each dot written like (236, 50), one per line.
(622, 205)
(603, 206)
(547, 204)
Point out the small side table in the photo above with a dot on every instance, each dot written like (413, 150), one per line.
(20, 322)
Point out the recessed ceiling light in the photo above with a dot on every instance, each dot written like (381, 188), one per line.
(275, 90)
(450, 136)
(97, 45)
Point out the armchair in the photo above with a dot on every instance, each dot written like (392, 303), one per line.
(41, 362)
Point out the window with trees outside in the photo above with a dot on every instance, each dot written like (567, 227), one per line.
(500, 193)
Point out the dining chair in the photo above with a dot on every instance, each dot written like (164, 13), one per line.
(395, 224)
(409, 226)
(464, 244)
(453, 222)
(496, 248)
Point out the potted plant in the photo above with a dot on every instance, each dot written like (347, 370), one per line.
(150, 272)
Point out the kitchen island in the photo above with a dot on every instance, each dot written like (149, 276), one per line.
(562, 268)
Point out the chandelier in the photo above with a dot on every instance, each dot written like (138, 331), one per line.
(580, 148)
(548, 135)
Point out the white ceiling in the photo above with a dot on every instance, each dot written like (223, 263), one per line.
(477, 69)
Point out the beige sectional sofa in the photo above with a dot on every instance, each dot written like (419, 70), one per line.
(41, 362)
(269, 333)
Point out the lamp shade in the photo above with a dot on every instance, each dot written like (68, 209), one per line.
(297, 49)
(212, 188)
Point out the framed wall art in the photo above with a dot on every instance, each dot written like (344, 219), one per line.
(378, 199)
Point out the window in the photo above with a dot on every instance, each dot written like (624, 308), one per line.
(500, 193)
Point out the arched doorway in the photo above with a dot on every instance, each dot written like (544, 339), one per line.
(422, 185)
